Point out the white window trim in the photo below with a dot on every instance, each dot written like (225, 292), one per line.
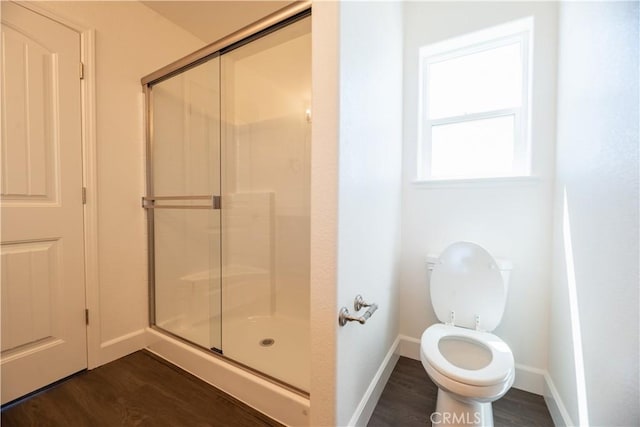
(520, 31)
(493, 182)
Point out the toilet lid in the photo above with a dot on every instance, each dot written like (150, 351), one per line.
(467, 281)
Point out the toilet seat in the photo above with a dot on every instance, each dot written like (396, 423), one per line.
(465, 391)
(497, 371)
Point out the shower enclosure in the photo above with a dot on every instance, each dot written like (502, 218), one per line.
(227, 200)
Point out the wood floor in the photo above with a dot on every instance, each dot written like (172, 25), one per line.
(143, 390)
(409, 398)
(137, 390)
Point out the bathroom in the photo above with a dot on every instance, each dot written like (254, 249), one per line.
(373, 222)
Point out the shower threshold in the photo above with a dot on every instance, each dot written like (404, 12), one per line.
(275, 346)
(280, 401)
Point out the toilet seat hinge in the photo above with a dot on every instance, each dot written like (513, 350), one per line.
(478, 328)
(452, 318)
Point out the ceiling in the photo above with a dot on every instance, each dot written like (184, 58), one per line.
(212, 20)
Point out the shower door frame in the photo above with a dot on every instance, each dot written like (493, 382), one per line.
(271, 23)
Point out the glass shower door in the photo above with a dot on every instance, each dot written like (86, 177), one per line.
(266, 143)
(183, 202)
(228, 202)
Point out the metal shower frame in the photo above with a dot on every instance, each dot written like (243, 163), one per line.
(273, 22)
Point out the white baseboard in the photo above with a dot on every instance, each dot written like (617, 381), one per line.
(371, 396)
(122, 346)
(558, 411)
(528, 378)
(409, 347)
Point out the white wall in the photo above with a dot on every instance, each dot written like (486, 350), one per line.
(370, 144)
(131, 41)
(597, 167)
(510, 219)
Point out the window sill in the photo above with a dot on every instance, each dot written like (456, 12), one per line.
(476, 182)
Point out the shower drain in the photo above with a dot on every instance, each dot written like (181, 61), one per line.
(267, 342)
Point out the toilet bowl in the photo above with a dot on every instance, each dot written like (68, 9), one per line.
(471, 366)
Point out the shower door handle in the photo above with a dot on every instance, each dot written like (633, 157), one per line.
(149, 202)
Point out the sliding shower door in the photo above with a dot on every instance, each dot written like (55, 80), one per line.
(266, 112)
(184, 187)
(228, 201)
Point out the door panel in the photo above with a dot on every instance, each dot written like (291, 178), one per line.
(31, 274)
(185, 164)
(266, 102)
(30, 144)
(42, 281)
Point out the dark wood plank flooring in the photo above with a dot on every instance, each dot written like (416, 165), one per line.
(137, 390)
(143, 390)
(409, 398)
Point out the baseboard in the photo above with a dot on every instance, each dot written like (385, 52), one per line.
(556, 407)
(371, 396)
(528, 378)
(122, 346)
(409, 347)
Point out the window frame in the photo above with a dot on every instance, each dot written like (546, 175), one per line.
(521, 32)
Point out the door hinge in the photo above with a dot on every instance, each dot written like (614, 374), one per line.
(81, 71)
(84, 195)
(86, 316)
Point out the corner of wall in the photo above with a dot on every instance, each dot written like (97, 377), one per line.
(122, 346)
(324, 165)
(369, 400)
(555, 405)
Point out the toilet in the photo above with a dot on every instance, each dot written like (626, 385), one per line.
(471, 366)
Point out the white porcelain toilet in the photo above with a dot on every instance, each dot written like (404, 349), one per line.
(470, 366)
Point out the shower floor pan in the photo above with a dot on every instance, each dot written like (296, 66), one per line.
(277, 346)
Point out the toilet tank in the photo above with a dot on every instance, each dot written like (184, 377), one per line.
(504, 265)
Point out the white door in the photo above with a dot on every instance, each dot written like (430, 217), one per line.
(42, 275)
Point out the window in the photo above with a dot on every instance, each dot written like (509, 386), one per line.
(474, 104)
